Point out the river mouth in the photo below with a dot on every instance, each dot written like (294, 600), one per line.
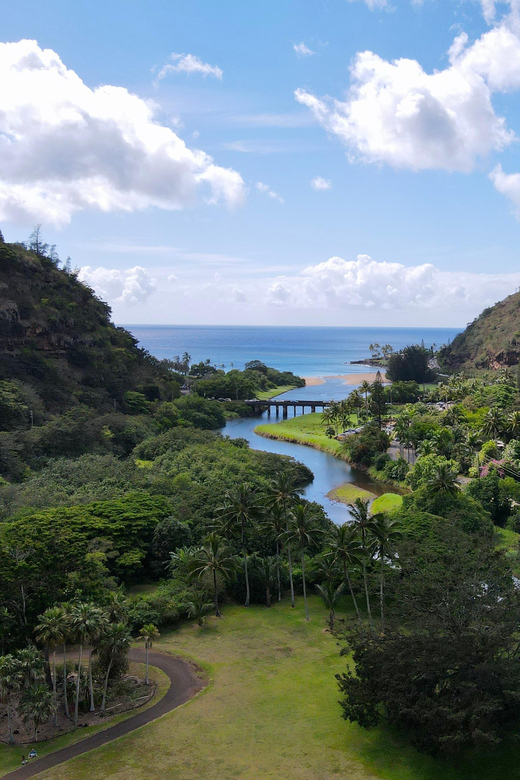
(329, 472)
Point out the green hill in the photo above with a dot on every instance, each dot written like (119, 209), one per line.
(57, 342)
(491, 341)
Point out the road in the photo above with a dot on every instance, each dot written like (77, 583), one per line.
(183, 685)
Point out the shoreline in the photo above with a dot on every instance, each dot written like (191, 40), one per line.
(348, 379)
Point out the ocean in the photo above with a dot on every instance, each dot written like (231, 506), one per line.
(306, 351)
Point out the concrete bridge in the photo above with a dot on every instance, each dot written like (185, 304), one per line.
(312, 406)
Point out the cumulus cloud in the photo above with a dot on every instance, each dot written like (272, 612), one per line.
(261, 187)
(397, 113)
(302, 50)
(65, 147)
(372, 4)
(367, 284)
(507, 184)
(319, 183)
(188, 63)
(129, 286)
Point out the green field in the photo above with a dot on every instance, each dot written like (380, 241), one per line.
(348, 493)
(270, 711)
(305, 429)
(266, 395)
(386, 503)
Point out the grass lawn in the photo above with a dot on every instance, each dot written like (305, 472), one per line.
(11, 757)
(266, 395)
(305, 429)
(270, 711)
(386, 503)
(348, 493)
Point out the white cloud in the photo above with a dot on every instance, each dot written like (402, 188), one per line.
(507, 184)
(366, 284)
(188, 63)
(396, 113)
(319, 183)
(373, 4)
(129, 286)
(302, 50)
(264, 188)
(65, 147)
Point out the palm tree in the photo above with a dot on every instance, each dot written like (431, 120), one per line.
(199, 607)
(283, 495)
(443, 482)
(37, 705)
(360, 520)
(345, 546)
(117, 608)
(148, 634)
(49, 632)
(213, 558)
(241, 508)
(402, 432)
(267, 569)
(386, 533)
(513, 424)
(65, 630)
(356, 401)
(31, 666)
(86, 623)
(304, 531)
(116, 639)
(494, 424)
(10, 682)
(365, 388)
(330, 596)
(275, 522)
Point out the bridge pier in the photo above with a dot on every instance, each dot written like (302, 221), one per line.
(285, 412)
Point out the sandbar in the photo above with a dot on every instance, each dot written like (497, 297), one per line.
(348, 379)
(312, 381)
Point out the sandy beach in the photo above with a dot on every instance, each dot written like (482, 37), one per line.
(348, 379)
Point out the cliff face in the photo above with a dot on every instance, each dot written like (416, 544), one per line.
(491, 341)
(56, 337)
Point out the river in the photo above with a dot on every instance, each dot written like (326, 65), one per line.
(329, 472)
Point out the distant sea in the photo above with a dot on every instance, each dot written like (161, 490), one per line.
(306, 351)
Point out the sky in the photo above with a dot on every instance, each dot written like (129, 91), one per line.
(310, 162)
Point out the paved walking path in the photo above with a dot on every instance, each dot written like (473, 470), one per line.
(183, 685)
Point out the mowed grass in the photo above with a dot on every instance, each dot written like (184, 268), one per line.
(348, 493)
(386, 503)
(305, 429)
(266, 395)
(11, 756)
(270, 711)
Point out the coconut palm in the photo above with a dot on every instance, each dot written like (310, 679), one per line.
(330, 596)
(360, 520)
(304, 531)
(37, 705)
(274, 521)
(31, 666)
(117, 607)
(115, 640)
(494, 424)
(386, 532)
(148, 634)
(365, 388)
(443, 482)
(86, 624)
(49, 632)
(66, 631)
(199, 607)
(357, 401)
(513, 424)
(282, 494)
(347, 550)
(10, 682)
(267, 570)
(240, 510)
(214, 558)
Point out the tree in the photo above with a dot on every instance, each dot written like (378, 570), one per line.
(386, 533)
(199, 607)
(241, 508)
(266, 569)
(410, 365)
(282, 494)
(37, 705)
(378, 399)
(446, 670)
(49, 632)
(213, 558)
(275, 523)
(10, 682)
(347, 550)
(115, 640)
(304, 531)
(86, 622)
(442, 482)
(330, 596)
(361, 519)
(148, 634)
(494, 424)
(365, 388)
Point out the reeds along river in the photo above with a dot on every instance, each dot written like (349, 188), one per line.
(329, 472)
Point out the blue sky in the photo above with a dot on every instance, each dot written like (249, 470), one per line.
(413, 215)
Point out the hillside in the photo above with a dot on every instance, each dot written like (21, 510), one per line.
(56, 339)
(491, 341)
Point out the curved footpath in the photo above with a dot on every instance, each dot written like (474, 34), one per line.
(183, 685)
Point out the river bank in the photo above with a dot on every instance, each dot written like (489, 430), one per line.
(347, 379)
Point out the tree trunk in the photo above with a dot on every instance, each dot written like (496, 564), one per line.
(304, 588)
(54, 687)
(351, 589)
(90, 684)
(246, 573)
(267, 595)
(278, 570)
(146, 673)
(369, 611)
(9, 721)
(105, 687)
(217, 611)
(381, 591)
(65, 697)
(78, 682)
